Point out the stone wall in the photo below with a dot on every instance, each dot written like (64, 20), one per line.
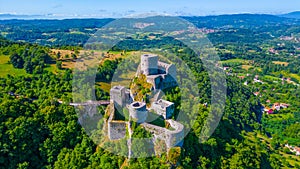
(172, 138)
(168, 81)
(171, 70)
(161, 81)
(116, 130)
(161, 75)
(176, 136)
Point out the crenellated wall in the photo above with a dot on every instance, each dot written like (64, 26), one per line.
(163, 108)
(161, 75)
(172, 138)
(176, 136)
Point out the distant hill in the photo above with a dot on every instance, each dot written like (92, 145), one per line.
(295, 15)
(239, 20)
(77, 31)
(12, 16)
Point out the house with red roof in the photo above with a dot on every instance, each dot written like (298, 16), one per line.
(269, 111)
(293, 149)
(297, 151)
(276, 106)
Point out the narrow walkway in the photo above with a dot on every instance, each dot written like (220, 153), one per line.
(101, 102)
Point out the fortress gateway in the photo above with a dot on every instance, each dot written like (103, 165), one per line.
(161, 76)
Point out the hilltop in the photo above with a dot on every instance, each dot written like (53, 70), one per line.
(295, 15)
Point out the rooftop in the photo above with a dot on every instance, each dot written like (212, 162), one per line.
(149, 55)
(163, 103)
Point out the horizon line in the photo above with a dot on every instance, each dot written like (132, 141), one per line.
(95, 16)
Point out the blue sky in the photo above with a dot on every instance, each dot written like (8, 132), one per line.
(124, 7)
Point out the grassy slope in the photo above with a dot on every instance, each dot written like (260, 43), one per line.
(290, 158)
(7, 68)
(235, 61)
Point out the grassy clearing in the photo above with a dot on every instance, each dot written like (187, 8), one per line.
(281, 117)
(272, 78)
(63, 53)
(295, 76)
(51, 68)
(68, 64)
(242, 61)
(4, 33)
(90, 57)
(258, 69)
(77, 32)
(104, 86)
(7, 68)
(280, 63)
(246, 67)
(286, 75)
(252, 51)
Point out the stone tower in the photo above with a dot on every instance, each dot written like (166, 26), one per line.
(163, 108)
(149, 64)
(118, 96)
(138, 112)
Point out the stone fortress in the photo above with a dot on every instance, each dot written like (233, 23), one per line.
(161, 76)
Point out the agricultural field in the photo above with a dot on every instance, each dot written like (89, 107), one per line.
(280, 63)
(234, 61)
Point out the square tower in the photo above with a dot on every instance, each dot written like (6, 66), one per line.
(163, 108)
(149, 64)
(118, 96)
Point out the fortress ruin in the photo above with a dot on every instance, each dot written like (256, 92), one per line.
(161, 76)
